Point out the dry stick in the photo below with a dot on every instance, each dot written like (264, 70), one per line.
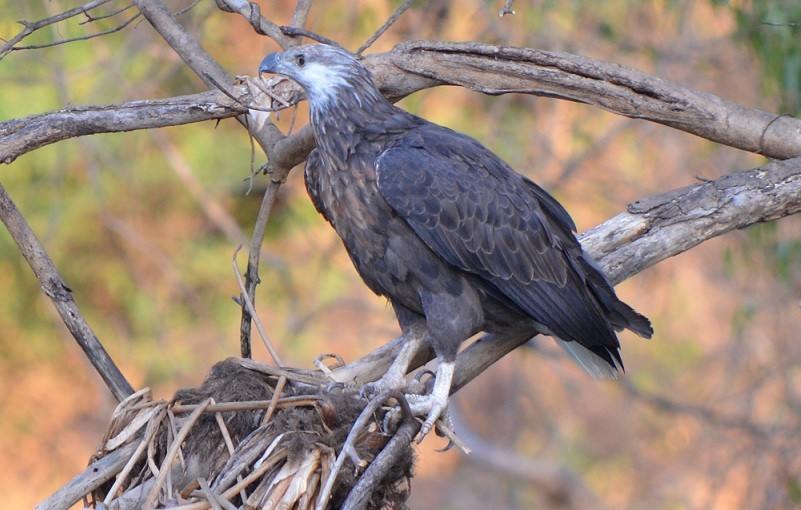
(279, 388)
(97, 474)
(151, 432)
(173, 451)
(31, 27)
(56, 289)
(211, 497)
(252, 311)
(229, 444)
(383, 28)
(355, 430)
(359, 496)
(269, 136)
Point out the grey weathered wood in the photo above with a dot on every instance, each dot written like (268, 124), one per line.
(56, 289)
(98, 473)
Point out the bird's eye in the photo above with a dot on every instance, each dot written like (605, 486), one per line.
(300, 59)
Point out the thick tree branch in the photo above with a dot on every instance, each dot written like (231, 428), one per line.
(499, 70)
(24, 135)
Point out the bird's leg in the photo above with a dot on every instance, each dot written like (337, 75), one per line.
(395, 376)
(435, 404)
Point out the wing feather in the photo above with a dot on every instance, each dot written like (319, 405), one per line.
(480, 216)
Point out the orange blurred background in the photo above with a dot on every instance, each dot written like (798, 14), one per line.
(143, 226)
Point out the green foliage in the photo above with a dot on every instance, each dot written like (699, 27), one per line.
(772, 28)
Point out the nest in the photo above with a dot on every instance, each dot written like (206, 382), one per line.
(251, 439)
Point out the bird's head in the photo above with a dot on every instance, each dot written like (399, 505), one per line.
(324, 71)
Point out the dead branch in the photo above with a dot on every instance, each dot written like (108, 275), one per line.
(30, 27)
(499, 70)
(54, 286)
(489, 69)
(251, 11)
(20, 136)
(383, 28)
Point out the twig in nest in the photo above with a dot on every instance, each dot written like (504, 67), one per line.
(383, 28)
(386, 460)
(173, 451)
(356, 429)
(279, 388)
(152, 428)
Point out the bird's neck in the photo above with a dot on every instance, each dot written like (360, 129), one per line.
(342, 120)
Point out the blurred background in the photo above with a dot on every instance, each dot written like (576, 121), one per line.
(143, 226)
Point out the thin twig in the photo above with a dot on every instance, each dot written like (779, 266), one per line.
(229, 444)
(90, 18)
(297, 31)
(252, 273)
(248, 405)
(149, 434)
(78, 38)
(31, 27)
(383, 28)
(355, 430)
(507, 8)
(252, 312)
(279, 388)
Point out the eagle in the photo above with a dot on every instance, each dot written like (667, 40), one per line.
(452, 236)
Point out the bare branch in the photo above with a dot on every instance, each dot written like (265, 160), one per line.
(251, 11)
(54, 286)
(621, 90)
(507, 8)
(500, 70)
(31, 27)
(79, 38)
(20, 136)
(301, 13)
(383, 28)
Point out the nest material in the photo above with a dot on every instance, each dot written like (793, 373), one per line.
(231, 444)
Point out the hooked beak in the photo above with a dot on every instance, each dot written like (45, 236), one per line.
(270, 63)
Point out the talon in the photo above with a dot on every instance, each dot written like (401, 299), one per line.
(335, 386)
(419, 375)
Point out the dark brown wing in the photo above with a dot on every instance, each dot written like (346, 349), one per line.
(480, 216)
(311, 173)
